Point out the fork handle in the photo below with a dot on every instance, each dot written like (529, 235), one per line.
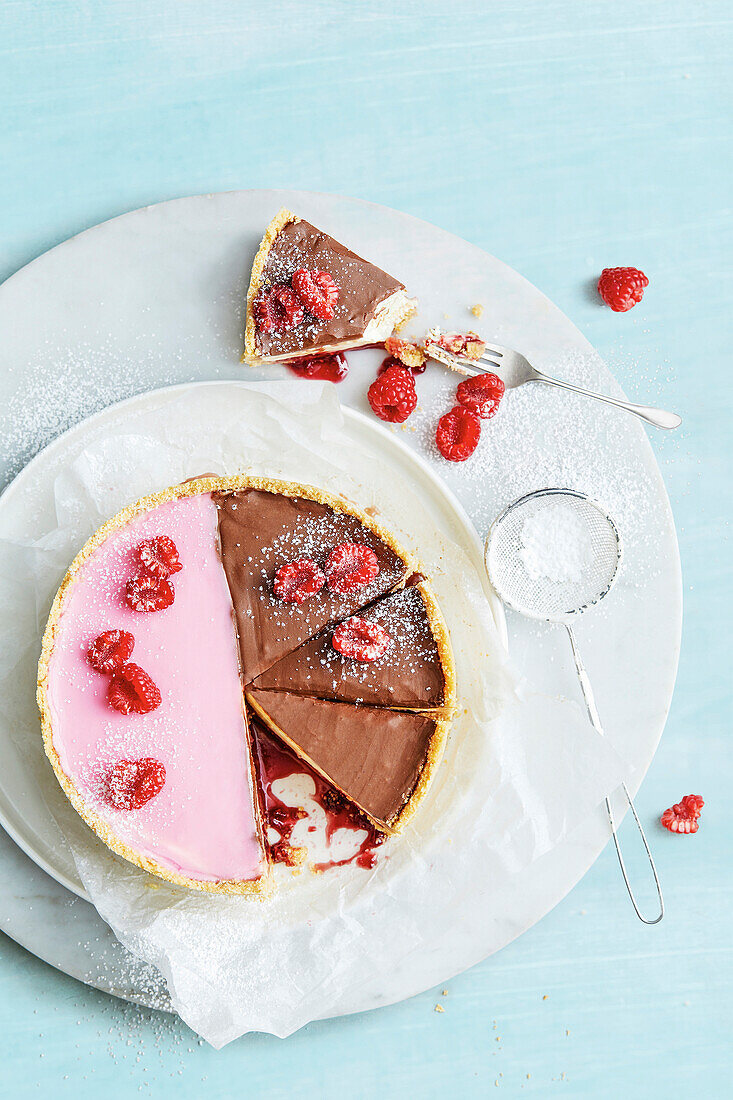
(656, 417)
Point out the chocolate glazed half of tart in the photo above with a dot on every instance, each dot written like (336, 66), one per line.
(414, 672)
(310, 294)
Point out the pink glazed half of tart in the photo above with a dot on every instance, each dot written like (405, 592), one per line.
(187, 598)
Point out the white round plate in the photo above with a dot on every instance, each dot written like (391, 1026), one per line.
(25, 506)
(155, 298)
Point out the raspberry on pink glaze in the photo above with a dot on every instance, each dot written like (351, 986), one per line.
(201, 823)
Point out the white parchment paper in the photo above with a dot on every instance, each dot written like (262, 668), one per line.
(498, 803)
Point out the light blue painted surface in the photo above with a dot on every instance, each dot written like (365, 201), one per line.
(563, 138)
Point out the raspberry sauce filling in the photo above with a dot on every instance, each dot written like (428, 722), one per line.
(202, 822)
(349, 836)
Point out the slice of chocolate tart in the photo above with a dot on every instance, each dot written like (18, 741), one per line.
(381, 760)
(269, 540)
(412, 668)
(309, 294)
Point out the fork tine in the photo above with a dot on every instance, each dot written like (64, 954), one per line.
(500, 352)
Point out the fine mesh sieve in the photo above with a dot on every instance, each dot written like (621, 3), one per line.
(560, 595)
(551, 555)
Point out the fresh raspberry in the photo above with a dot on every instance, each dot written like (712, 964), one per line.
(297, 581)
(317, 291)
(684, 816)
(350, 566)
(131, 690)
(458, 434)
(392, 395)
(362, 640)
(290, 304)
(391, 361)
(279, 307)
(622, 287)
(144, 592)
(481, 394)
(129, 784)
(407, 352)
(158, 556)
(110, 650)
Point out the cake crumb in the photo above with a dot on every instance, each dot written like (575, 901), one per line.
(439, 1008)
(477, 310)
(545, 996)
(444, 992)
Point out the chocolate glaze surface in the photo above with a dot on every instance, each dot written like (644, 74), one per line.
(410, 673)
(362, 287)
(258, 532)
(374, 756)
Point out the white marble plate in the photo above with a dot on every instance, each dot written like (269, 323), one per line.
(154, 298)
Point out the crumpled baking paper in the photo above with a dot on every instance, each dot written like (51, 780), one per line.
(334, 942)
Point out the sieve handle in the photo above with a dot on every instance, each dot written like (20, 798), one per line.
(595, 719)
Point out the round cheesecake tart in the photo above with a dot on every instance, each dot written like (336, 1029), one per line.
(211, 626)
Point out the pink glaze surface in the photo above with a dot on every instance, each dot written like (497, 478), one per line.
(202, 824)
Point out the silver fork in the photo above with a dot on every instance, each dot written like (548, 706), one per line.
(514, 370)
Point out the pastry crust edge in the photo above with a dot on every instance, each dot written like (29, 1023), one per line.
(282, 218)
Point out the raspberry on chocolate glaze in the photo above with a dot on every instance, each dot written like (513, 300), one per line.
(351, 566)
(458, 434)
(110, 650)
(317, 291)
(361, 640)
(278, 308)
(145, 592)
(481, 394)
(290, 304)
(158, 556)
(129, 784)
(132, 691)
(392, 395)
(297, 581)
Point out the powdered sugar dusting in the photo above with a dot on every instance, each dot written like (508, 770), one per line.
(556, 544)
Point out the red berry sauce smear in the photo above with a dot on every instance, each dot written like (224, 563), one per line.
(277, 762)
(323, 368)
